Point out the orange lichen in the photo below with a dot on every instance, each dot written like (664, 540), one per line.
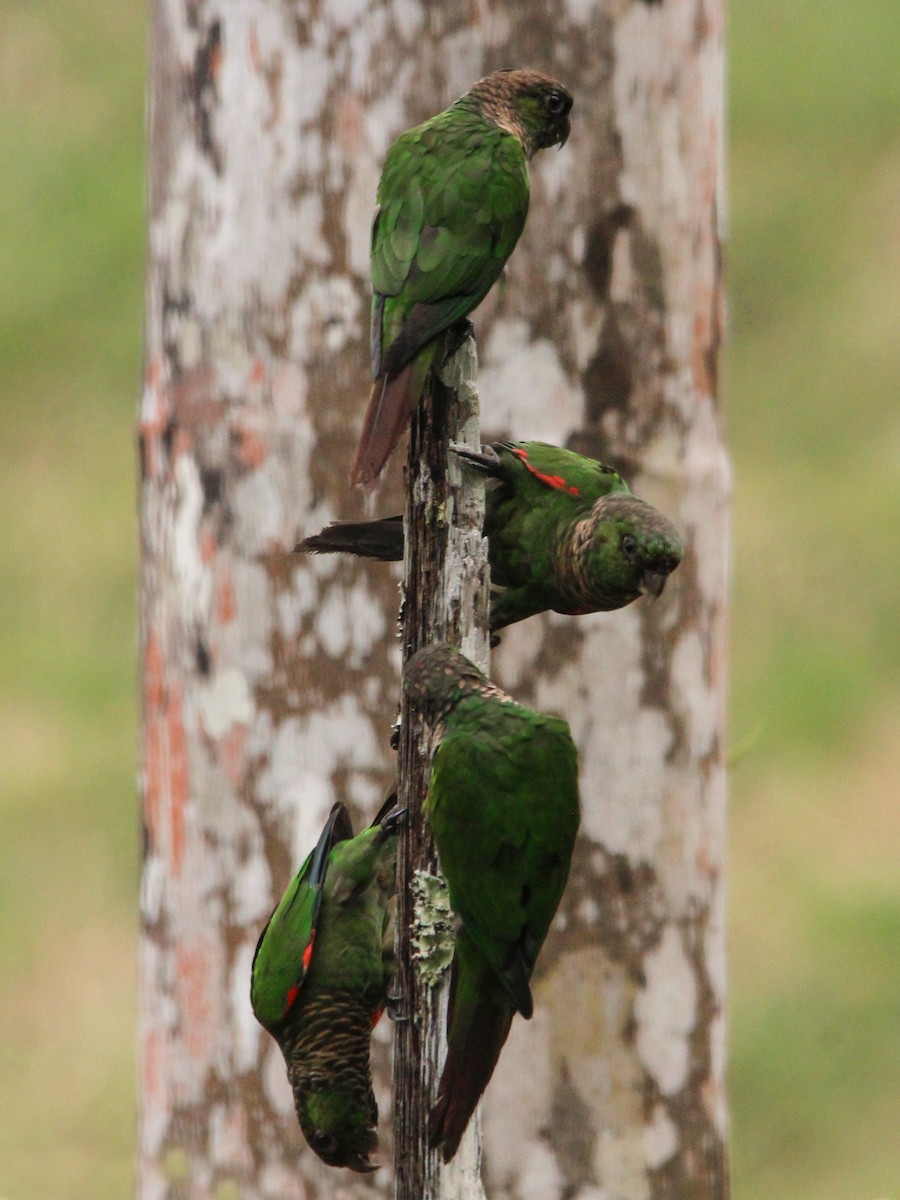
(194, 963)
(208, 546)
(183, 442)
(178, 777)
(350, 127)
(165, 759)
(255, 58)
(153, 707)
(231, 748)
(252, 448)
(153, 1070)
(226, 604)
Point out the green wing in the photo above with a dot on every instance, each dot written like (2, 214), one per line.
(550, 472)
(284, 950)
(503, 805)
(452, 203)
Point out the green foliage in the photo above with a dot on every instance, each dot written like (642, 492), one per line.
(813, 375)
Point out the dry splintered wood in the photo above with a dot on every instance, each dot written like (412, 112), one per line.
(446, 598)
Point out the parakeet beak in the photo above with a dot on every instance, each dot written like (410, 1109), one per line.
(652, 583)
(361, 1160)
(564, 130)
(363, 1166)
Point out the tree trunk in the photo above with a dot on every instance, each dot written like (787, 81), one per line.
(269, 680)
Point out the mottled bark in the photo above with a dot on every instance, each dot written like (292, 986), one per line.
(270, 680)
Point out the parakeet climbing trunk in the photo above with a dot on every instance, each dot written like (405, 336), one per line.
(269, 681)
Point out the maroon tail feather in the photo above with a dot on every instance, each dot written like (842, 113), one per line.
(479, 1025)
(390, 407)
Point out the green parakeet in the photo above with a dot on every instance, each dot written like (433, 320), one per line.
(564, 534)
(452, 203)
(504, 810)
(319, 982)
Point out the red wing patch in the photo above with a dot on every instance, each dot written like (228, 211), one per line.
(554, 481)
(306, 959)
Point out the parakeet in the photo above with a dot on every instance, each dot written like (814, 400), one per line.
(564, 534)
(503, 807)
(451, 205)
(319, 982)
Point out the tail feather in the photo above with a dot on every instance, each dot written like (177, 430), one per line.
(368, 539)
(391, 405)
(394, 396)
(479, 1019)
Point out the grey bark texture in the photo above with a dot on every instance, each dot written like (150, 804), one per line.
(446, 582)
(270, 681)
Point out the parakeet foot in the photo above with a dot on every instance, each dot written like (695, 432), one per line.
(457, 335)
(485, 460)
(394, 1008)
(394, 819)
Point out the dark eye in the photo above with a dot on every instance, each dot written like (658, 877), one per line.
(325, 1143)
(555, 103)
(629, 545)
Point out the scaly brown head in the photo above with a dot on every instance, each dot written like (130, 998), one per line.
(624, 549)
(528, 104)
(437, 677)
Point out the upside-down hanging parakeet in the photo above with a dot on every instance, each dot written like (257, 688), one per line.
(503, 807)
(319, 982)
(564, 533)
(452, 203)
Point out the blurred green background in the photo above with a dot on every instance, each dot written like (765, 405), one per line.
(813, 381)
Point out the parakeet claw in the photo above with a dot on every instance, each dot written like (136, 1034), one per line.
(457, 335)
(394, 819)
(486, 459)
(394, 1008)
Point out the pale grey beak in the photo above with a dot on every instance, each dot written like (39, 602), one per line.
(652, 583)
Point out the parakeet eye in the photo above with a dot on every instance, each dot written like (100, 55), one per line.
(325, 1143)
(555, 103)
(629, 545)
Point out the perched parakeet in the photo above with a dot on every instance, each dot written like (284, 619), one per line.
(503, 807)
(319, 982)
(452, 203)
(564, 534)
